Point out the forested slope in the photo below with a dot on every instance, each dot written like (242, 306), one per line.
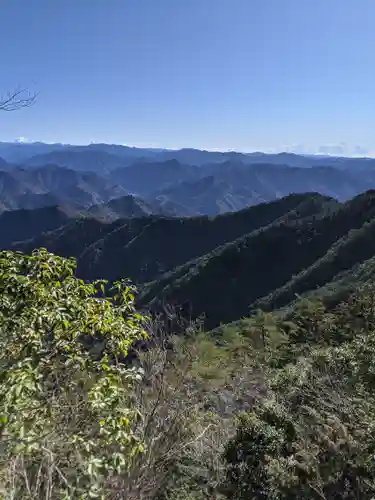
(227, 283)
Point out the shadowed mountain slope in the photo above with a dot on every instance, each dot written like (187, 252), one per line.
(225, 284)
(145, 248)
(50, 185)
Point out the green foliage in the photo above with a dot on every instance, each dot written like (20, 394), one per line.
(303, 249)
(313, 435)
(193, 390)
(221, 268)
(338, 266)
(144, 248)
(67, 414)
(277, 406)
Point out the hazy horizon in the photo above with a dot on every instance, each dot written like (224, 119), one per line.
(276, 75)
(23, 140)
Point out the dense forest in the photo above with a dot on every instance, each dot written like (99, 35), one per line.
(154, 347)
(220, 268)
(275, 407)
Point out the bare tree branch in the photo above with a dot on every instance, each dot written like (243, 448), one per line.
(17, 99)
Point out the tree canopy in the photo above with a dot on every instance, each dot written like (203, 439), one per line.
(65, 395)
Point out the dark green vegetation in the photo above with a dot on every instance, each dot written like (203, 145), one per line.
(266, 268)
(224, 267)
(255, 379)
(18, 225)
(313, 435)
(145, 248)
(275, 408)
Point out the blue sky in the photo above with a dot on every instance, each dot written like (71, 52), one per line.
(216, 74)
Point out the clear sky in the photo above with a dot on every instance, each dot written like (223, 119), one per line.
(215, 74)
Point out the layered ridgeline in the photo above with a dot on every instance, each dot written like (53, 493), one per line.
(182, 183)
(226, 266)
(232, 186)
(144, 248)
(273, 405)
(48, 185)
(266, 268)
(113, 155)
(265, 407)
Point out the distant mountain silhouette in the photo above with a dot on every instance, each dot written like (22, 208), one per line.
(49, 185)
(208, 196)
(3, 164)
(105, 157)
(145, 178)
(16, 152)
(234, 186)
(100, 162)
(217, 182)
(221, 267)
(126, 206)
(144, 248)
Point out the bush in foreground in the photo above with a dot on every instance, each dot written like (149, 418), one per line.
(313, 436)
(66, 412)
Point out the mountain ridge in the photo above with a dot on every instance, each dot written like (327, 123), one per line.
(19, 186)
(223, 182)
(15, 152)
(141, 248)
(216, 239)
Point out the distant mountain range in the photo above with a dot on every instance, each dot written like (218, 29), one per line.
(221, 267)
(100, 162)
(214, 234)
(231, 187)
(186, 182)
(48, 185)
(109, 156)
(144, 248)
(129, 206)
(147, 178)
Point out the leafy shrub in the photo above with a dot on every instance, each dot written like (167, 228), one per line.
(67, 415)
(313, 436)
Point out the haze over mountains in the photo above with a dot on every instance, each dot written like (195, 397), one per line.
(215, 234)
(38, 153)
(22, 187)
(183, 183)
(220, 267)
